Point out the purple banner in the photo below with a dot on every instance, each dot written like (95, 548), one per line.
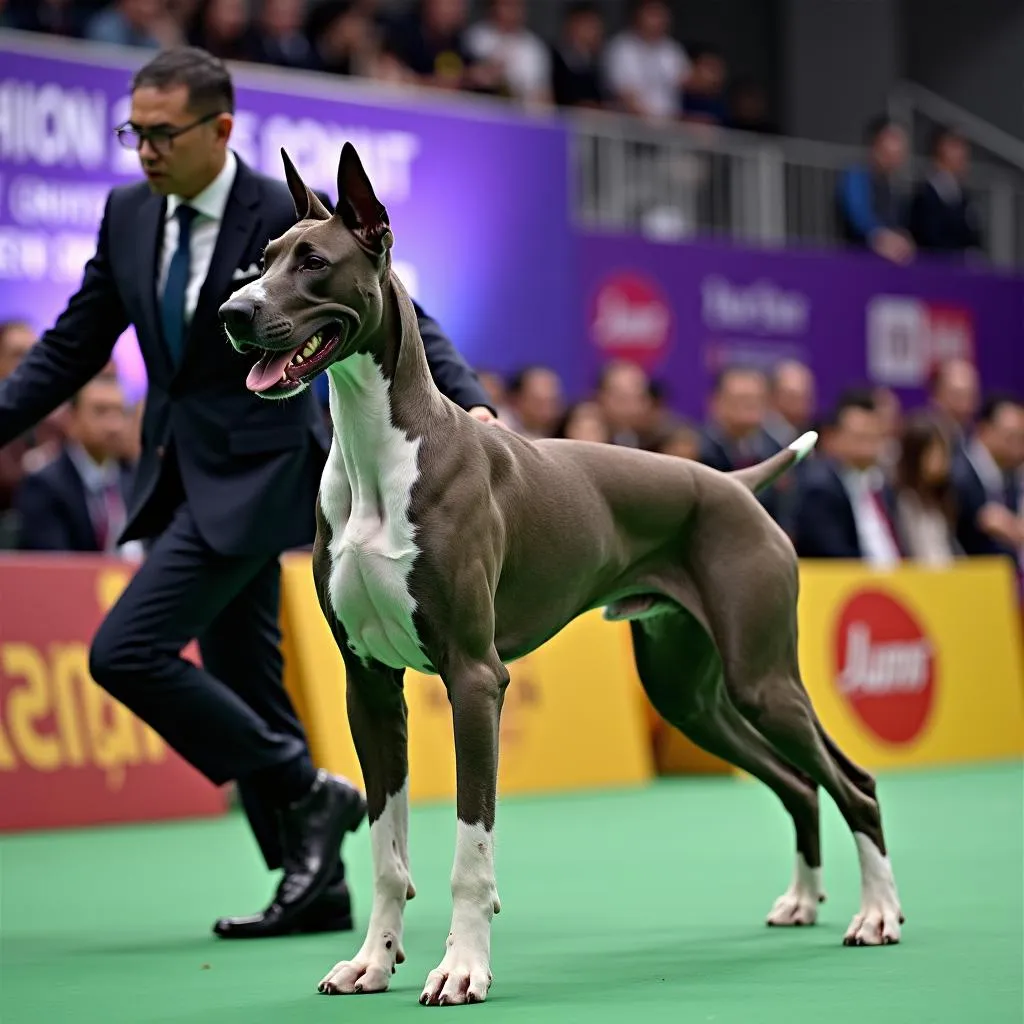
(477, 198)
(684, 311)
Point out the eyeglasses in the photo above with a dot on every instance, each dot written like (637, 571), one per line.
(161, 139)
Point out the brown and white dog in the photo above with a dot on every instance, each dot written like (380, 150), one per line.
(449, 547)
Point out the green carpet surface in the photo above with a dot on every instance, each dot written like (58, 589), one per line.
(630, 906)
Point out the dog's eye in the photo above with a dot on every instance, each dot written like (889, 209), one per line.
(313, 263)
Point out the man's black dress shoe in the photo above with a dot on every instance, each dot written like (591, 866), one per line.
(312, 895)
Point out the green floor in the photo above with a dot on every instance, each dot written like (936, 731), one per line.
(616, 905)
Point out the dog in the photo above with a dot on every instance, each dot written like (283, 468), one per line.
(449, 547)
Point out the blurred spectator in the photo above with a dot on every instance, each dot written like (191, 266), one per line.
(791, 397)
(494, 385)
(429, 46)
(342, 38)
(658, 420)
(35, 447)
(845, 507)
(646, 69)
(748, 108)
(535, 403)
(623, 396)
(521, 57)
(583, 422)
(222, 28)
(704, 98)
(681, 439)
(989, 478)
(872, 210)
(890, 419)
(279, 38)
(78, 501)
(142, 23)
(925, 503)
(954, 394)
(942, 216)
(734, 436)
(576, 59)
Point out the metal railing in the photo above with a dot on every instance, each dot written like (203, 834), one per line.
(681, 181)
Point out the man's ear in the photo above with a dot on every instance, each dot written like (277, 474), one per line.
(307, 205)
(359, 209)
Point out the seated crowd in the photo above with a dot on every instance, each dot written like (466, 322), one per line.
(932, 485)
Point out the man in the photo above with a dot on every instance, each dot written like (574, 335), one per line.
(734, 436)
(871, 206)
(791, 398)
(624, 398)
(78, 501)
(535, 402)
(225, 482)
(845, 508)
(942, 215)
(954, 393)
(576, 75)
(988, 476)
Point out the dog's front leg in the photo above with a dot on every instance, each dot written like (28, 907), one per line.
(377, 716)
(476, 690)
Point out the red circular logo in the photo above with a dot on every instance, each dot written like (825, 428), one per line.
(885, 666)
(631, 319)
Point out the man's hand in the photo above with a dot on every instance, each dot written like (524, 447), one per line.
(484, 415)
(892, 245)
(1002, 525)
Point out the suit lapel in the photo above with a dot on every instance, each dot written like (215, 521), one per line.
(151, 231)
(239, 226)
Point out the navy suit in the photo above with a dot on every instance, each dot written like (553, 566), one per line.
(941, 226)
(972, 496)
(824, 524)
(53, 510)
(226, 481)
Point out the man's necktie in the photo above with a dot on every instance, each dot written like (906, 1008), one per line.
(172, 306)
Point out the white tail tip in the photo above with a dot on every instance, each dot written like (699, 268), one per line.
(804, 444)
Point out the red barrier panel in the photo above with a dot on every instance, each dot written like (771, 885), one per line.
(70, 755)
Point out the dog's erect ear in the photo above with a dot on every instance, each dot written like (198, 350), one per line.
(307, 204)
(359, 209)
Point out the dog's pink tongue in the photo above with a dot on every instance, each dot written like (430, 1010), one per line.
(267, 372)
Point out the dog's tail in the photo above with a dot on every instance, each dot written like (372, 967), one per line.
(758, 477)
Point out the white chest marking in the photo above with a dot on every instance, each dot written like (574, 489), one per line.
(365, 494)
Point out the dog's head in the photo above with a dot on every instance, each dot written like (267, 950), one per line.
(321, 292)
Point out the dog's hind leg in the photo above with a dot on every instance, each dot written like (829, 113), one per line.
(681, 673)
(476, 690)
(377, 717)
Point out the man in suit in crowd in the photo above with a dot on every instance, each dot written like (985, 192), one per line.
(871, 207)
(225, 481)
(942, 217)
(78, 501)
(988, 475)
(845, 508)
(734, 436)
(954, 393)
(791, 402)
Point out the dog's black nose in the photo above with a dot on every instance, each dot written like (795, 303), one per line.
(238, 313)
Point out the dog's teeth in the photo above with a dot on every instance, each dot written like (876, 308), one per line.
(297, 359)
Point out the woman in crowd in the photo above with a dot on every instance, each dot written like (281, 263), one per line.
(925, 500)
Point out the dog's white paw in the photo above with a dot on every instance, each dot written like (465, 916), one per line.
(878, 921)
(798, 905)
(360, 976)
(463, 976)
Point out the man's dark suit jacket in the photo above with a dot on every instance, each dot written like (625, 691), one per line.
(53, 513)
(719, 453)
(824, 524)
(971, 498)
(938, 226)
(250, 467)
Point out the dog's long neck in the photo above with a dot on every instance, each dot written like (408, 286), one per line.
(383, 400)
